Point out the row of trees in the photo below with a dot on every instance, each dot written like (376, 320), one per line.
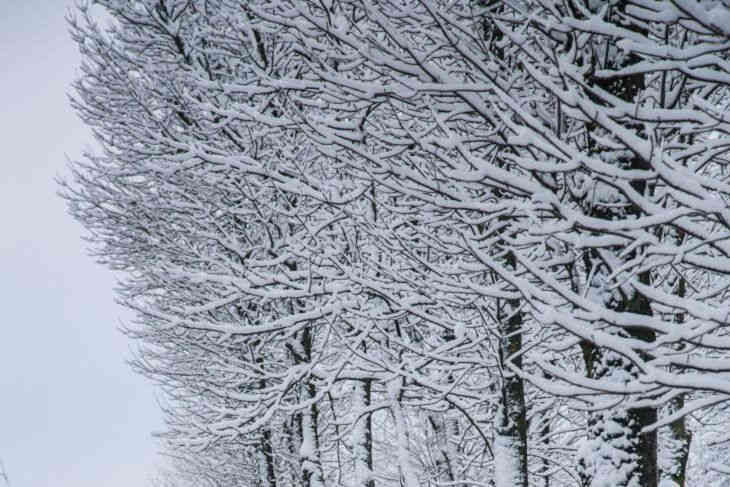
(418, 242)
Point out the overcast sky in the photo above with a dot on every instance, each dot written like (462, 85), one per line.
(72, 414)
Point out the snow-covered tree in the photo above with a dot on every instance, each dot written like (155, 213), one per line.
(418, 242)
(587, 139)
(229, 312)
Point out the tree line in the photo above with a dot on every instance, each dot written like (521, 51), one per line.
(418, 242)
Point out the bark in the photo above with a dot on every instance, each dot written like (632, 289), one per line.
(309, 451)
(363, 434)
(267, 454)
(292, 436)
(632, 457)
(615, 446)
(545, 439)
(510, 435)
(643, 417)
(679, 437)
(677, 446)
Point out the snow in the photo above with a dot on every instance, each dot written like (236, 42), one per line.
(429, 197)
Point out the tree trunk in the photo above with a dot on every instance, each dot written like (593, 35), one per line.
(362, 433)
(309, 452)
(679, 438)
(677, 446)
(292, 436)
(510, 429)
(408, 476)
(267, 460)
(633, 461)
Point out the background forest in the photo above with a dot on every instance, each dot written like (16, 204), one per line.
(419, 242)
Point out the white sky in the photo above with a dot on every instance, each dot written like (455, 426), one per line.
(72, 414)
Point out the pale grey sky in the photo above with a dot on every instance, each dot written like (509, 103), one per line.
(72, 414)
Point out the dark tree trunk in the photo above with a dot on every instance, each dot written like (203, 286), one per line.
(510, 447)
(641, 447)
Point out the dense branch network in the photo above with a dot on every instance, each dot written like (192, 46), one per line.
(417, 242)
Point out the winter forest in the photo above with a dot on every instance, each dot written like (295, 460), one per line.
(405, 243)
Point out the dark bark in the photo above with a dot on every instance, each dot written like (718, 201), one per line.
(642, 446)
(680, 437)
(512, 422)
(268, 458)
